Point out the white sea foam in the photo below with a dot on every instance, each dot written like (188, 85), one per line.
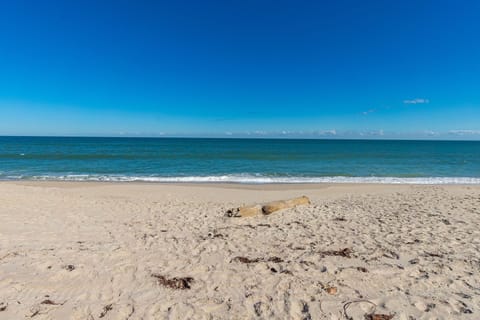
(257, 179)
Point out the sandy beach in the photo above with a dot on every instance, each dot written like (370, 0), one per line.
(165, 251)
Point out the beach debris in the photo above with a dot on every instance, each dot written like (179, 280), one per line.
(264, 225)
(298, 248)
(275, 259)
(298, 223)
(257, 307)
(174, 283)
(34, 311)
(245, 260)
(305, 310)
(465, 310)
(69, 267)
(246, 211)
(339, 219)
(378, 316)
(42, 307)
(362, 269)
(414, 241)
(345, 252)
(214, 234)
(248, 260)
(331, 290)
(271, 207)
(3, 306)
(50, 302)
(267, 208)
(105, 310)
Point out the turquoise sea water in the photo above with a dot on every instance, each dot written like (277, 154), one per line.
(239, 160)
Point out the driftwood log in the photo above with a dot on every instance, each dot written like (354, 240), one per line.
(267, 208)
(280, 205)
(249, 211)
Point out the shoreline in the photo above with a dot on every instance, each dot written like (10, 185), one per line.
(240, 185)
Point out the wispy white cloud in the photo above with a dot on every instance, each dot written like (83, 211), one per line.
(464, 132)
(461, 134)
(368, 112)
(285, 133)
(416, 101)
(430, 133)
(373, 133)
(332, 132)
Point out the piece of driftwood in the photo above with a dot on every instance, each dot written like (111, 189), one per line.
(267, 208)
(280, 205)
(249, 211)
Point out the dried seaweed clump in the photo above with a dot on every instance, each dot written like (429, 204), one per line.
(379, 316)
(245, 260)
(248, 260)
(174, 283)
(105, 310)
(50, 302)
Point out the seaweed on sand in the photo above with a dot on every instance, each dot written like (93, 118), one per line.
(248, 260)
(174, 283)
(105, 310)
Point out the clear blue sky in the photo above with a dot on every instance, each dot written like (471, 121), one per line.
(405, 69)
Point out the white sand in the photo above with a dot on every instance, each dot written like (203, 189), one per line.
(91, 250)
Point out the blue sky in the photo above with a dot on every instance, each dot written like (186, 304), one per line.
(344, 69)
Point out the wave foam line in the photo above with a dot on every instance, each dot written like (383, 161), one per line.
(252, 179)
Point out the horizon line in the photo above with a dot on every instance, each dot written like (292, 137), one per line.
(241, 138)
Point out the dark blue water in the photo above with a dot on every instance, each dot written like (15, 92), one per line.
(239, 160)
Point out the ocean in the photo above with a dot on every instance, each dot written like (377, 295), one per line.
(239, 160)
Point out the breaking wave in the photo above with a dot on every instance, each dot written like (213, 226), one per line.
(249, 179)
